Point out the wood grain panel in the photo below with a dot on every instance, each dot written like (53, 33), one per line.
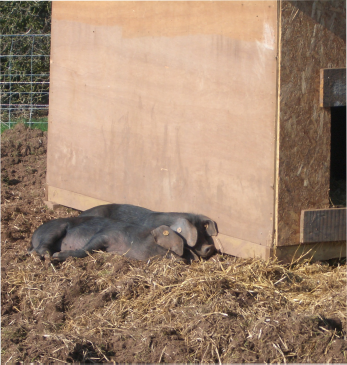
(312, 38)
(235, 20)
(175, 115)
(332, 87)
(323, 225)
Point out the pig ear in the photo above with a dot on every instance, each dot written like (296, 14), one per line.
(186, 230)
(210, 226)
(167, 238)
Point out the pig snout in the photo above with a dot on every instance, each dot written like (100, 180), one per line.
(206, 250)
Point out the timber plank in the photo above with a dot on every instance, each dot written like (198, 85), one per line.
(240, 248)
(71, 199)
(323, 225)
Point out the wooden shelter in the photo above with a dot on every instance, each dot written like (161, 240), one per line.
(218, 108)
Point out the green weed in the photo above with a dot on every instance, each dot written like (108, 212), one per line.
(40, 123)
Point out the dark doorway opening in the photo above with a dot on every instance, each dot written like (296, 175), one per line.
(338, 156)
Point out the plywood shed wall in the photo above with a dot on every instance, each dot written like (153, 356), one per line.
(194, 106)
(165, 105)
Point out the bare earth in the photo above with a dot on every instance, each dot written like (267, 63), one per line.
(106, 308)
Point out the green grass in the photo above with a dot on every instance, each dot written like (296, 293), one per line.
(39, 123)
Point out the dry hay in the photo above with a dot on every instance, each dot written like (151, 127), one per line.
(222, 310)
(107, 308)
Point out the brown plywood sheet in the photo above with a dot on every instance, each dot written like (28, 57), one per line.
(323, 225)
(173, 114)
(312, 37)
(332, 87)
(239, 21)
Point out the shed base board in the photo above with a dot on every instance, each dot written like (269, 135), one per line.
(240, 248)
(310, 251)
(71, 199)
(51, 205)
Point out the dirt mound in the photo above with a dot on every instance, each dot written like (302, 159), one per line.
(23, 175)
(108, 308)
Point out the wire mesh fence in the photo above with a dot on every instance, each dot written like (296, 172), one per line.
(24, 79)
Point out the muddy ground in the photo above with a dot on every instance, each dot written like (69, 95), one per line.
(106, 308)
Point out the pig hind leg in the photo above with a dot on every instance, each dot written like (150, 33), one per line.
(97, 242)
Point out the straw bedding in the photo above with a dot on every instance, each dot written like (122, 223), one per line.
(106, 308)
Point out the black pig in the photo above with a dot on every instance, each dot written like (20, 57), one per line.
(75, 236)
(200, 228)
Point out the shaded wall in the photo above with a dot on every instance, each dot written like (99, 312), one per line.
(313, 36)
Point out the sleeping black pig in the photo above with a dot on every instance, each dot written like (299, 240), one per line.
(199, 228)
(75, 236)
